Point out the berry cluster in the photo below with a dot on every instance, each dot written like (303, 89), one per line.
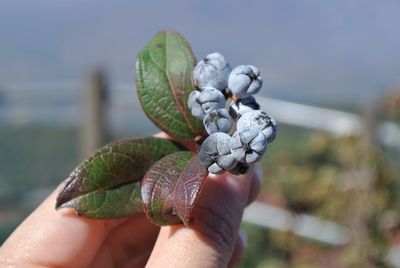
(237, 136)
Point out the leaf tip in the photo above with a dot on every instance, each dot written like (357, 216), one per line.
(62, 201)
(66, 193)
(60, 205)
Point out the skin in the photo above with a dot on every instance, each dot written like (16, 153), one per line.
(50, 238)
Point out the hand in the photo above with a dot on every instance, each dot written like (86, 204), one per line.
(50, 238)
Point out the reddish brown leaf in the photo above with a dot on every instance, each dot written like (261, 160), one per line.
(170, 188)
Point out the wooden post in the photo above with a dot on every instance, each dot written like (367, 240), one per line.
(361, 205)
(93, 128)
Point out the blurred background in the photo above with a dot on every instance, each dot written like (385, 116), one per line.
(331, 79)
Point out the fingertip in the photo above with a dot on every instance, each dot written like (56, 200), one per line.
(213, 233)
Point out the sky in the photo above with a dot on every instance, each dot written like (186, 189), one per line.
(310, 50)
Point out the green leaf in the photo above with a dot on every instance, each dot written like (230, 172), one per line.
(170, 188)
(164, 81)
(106, 185)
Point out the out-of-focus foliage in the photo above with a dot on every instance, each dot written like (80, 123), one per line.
(31, 158)
(391, 107)
(352, 181)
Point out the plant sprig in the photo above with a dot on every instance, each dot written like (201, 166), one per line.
(158, 176)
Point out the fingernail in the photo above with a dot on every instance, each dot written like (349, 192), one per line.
(243, 237)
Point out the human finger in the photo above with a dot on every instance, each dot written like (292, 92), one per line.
(210, 239)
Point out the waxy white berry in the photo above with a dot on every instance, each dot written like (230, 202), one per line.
(217, 121)
(244, 80)
(215, 153)
(259, 120)
(248, 145)
(212, 71)
(241, 106)
(203, 102)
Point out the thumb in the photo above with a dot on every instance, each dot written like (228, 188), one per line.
(210, 239)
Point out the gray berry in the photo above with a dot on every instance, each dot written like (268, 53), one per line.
(259, 120)
(217, 121)
(215, 153)
(248, 145)
(193, 96)
(211, 99)
(270, 131)
(203, 102)
(212, 71)
(194, 105)
(215, 169)
(242, 106)
(245, 80)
